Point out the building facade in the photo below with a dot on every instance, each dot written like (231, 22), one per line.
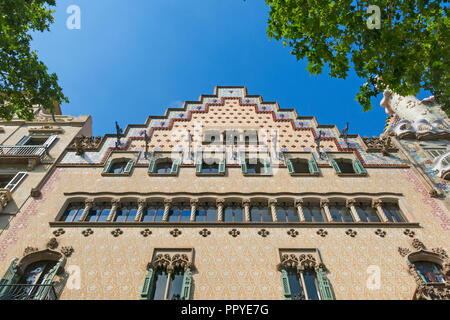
(229, 197)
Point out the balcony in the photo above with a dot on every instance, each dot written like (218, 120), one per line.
(30, 155)
(27, 292)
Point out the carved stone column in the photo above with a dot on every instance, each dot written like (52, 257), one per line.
(273, 209)
(246, 204)
(299, 205)
(324, 204)
(140, 211)
(194, 205)
(88, 204)
(350, 203)
(167, 204)
(220, 203)
(377, 204)
(114, 206)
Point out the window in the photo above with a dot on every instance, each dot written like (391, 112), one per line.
(340, 213)
(436, 153)
(348, 166)
(99, 212)
(259, 212)
(313, 212)
(118, 166)
(233, 212)
(73, 212)
(210, 166)
(366, 212)
(180, 212)
(250, 137)
(167, 286)
(164, 166)
(34, 275)
(154, 212)
(206, 212)
(302, 166)
(126, 213)
(255, 166)
(392, 212)
(11, 181)
(303, 284)
(286, 212)
(429, 271)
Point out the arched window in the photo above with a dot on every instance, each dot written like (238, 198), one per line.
(259, 212)
(33, 276)
(127, 212)
(99, 212)
(429, 272)
(345, 165)
(154, 212)
(233, 212)
(163, 166)
(339, 212)
(73, 212)
(168, 285)
(303, 284)
(206, 212)
(366, 212)
(392, 212)
(180, 212)
(118, 166)
(286, 212)
(313, 212)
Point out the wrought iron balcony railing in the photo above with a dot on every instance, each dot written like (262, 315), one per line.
(27, 292)
(23, 151)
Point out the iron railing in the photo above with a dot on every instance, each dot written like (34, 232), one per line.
(27, 292)
(39, 150)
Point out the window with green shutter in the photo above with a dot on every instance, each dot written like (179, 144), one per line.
(285, 285)
(152, 165)
(359, 168)
(243, 164)
(335, 166)
(187, 282)
(175, 166)
(313, 168)
(147, 286)
(290, 166)
(222, 166)
(129, 166)
(326, 292)
(10, 277)
(107, 166)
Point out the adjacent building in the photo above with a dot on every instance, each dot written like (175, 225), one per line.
(229, 197)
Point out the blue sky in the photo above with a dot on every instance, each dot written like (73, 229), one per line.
(133, 59)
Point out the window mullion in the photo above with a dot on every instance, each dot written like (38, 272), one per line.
(302, 283)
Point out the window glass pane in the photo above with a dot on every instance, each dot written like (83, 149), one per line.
(186, 214)
(238, 216)
(176, 285)
(392, 212)
(174, 215)
(132, 215)
(159, 215)
(149, 215)
(69, 214)
(308, 214)
(366, 213)
(295, 285)
(211, 215)
(255, 214)
(267, 216)
(340, 213)
(104, 215)
(118, 167)
(292, 214)
(121, 215)
(316, 214)
(430, 271)
(281, 215)
(201, 214)
(159, 287)
(164, 166)
(93, 214)
(310, 283)
(228, 215)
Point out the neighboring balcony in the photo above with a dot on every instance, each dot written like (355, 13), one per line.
(30, 155)
(27, 292)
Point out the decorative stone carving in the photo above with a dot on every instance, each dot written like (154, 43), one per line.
(175, 232)
(322, 233)
(116, 232)
(263, 233)
(5, 196)
(418, 245)
(146, 232)
(234, 233)
(46, 130)
(409, 233)
(59, 232)
(87, 232)
(351, 233)
(29, 250)
(376, 144)
(441, 252)
(380, 233)
(52, 243)
(204, 233)
(301, 262)
(293, 233)
(67, 251)
(403, 251)
(170, 262)
(82, 144)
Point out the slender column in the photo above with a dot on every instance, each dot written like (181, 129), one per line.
(299, 205)
(324, 203)
(169, 274)
(194, 205)
(220, 203)
(140, 211)
(246, 204)
(377, 204)
(167, 204)
(350, 203)
(88, 204)
(273, 209)
(114, 206)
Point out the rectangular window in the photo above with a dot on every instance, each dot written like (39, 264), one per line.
(392, 212)
(99, 213)
(206, 212)
(73, 212)
(286, 212)
(233, 212)
(313, 212)
(340, 213)
(259, 212)
(126, 213)
(180, 212)
(366, 213)
(154, 212)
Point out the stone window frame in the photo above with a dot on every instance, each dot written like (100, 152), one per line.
(219, 157)
(264, 160)
(176, 159)
(308, 157)
(359, 169)
(302, 259)
(170, 259)
(128, 168)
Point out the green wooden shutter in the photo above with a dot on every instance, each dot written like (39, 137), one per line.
(107, 166)
(186, 288)
(10, 277)
(313, 168)
(198, 167)
(129, 166)
(175, 166)
(198, 162)
(222, 166)
(148, 284)
(335, 166)
(267, 167)
(43, 291)
(152, 165)
(285, 285)
(324, 286)
(359, 168)
(243, 165)
(290, 166)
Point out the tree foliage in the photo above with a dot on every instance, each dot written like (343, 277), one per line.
(410, 51)
(24, 80)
